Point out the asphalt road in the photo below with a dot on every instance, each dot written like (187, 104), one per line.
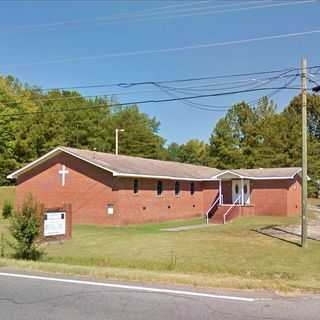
(33, 298)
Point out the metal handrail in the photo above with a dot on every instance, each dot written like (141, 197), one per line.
(233, 205)
(207, 213)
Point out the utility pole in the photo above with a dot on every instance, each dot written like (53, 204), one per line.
(117, 139)
(304, 193)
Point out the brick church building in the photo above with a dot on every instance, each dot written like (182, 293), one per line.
(115, 189)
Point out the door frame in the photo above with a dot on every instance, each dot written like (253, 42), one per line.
(242, 184)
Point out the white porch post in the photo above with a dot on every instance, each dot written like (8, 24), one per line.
(220, 192)
(242, 195)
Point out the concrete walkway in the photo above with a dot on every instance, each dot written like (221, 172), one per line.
(186, 228)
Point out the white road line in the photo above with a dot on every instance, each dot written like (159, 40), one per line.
(127, 287)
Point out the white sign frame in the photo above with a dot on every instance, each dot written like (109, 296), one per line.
(54, 224)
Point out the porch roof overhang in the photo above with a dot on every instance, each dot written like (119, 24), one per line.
(247, 174)
(228, 175)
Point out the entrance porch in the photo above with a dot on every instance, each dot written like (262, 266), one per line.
(233, 199)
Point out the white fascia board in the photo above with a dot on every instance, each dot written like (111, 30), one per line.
(134, 175)
(269, 178)
(34, 163)
(227, 172)
(256, 178)
(49, 155)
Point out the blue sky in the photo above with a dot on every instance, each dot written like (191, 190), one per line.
(24, 46)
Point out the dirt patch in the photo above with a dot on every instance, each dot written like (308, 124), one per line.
(292, 233)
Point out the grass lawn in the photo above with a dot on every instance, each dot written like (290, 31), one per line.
(231, 255)
(7, 193)
(314, 202)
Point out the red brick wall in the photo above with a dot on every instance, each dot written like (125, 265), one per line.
(270, 197)
(294, 197)
(89, 189)
(210, 192)
(147, 206)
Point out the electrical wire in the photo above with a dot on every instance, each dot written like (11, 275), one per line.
(186, 89)
(209, 107)
(147, 101)
(182, 11)
(205, 13)
(166, 50)
(181, 80)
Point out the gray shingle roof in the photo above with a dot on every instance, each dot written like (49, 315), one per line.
(268, 172)
(121, 165)
(144, 167)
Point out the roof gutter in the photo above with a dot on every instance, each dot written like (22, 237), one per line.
(130, 175)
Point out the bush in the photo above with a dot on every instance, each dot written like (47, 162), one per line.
(7, 209)
(25, 227)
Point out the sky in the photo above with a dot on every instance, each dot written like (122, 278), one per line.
(42, 42)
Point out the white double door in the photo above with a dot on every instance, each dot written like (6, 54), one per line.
(241, 188)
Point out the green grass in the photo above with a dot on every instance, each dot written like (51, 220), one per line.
(6, 193)
(232, 255)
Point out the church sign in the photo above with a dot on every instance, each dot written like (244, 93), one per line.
(54, 224)
(57, 223)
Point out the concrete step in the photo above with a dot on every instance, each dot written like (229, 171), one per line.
(217, 217)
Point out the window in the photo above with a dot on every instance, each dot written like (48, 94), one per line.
(237, 189)
(159, 188)
(192, 188)
(110, 209)
(245, 189)
(135, 186)
(177, 188)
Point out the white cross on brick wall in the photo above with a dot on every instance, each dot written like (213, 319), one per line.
(63, 173)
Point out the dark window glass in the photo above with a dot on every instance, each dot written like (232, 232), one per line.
(135, 186)
(245, 189)
(237, 189)
(159, 188)
(177, 188)
(192, 188)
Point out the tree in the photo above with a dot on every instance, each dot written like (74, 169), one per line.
(234, 139)
(25, 227)
(50, 119)
(193, 151)
(292, 118)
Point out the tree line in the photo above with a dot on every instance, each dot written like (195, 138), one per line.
(33, 121)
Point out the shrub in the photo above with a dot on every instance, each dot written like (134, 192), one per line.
(7, 209)
(25, 227)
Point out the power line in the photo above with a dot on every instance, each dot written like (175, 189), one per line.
(242, 84)
(204, 87)
(181, 80)
(167, 50)
(184, 10)
(147, 101)
(208, 107)
(119, 17)
(185, 89)
(229, 10)
(159, 84)
(72, 22)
